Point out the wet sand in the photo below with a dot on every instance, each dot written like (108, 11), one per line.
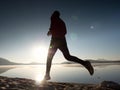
(7, 83)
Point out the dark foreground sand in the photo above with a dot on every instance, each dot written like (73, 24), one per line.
(28, 84)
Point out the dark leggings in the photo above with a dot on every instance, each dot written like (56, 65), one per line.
(60, 43)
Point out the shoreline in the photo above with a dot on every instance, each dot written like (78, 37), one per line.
(8, 83)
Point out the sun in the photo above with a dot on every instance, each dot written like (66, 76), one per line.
(40, 52)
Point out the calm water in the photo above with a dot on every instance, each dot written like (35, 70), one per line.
(63, 73)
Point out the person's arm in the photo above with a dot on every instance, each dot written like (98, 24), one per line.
(49, 33)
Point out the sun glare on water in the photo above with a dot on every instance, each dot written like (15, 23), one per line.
(39, 78)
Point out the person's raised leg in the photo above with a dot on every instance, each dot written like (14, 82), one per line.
(51, 53)
(67, 55)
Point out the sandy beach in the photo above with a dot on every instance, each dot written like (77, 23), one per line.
(7, 83)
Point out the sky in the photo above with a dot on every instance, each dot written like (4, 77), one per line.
(93, 29)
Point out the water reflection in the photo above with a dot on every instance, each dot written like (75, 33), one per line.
(63, 73)
(35, 72)
(5, 68)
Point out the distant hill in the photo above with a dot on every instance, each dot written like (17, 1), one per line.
(104, 61)
(35, 63)
(95, 61)
(4, 61)
(7, 62)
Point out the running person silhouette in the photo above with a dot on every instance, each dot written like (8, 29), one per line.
(58, 41)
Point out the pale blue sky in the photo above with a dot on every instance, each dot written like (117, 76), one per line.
(93, 28)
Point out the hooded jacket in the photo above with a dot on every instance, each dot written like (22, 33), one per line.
(57, 27)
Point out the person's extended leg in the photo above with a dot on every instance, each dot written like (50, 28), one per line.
(67, 55)
(51, 53)
(86, 64)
